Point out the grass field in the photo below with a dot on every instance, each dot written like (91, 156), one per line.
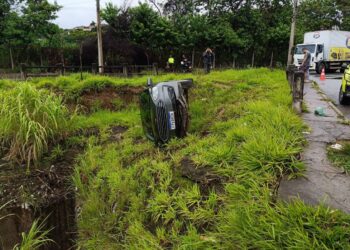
(214, 189)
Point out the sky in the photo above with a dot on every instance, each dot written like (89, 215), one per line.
(81, 12)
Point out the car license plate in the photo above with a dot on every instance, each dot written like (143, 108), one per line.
(172, 124)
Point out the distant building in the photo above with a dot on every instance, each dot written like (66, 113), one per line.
(86, 28)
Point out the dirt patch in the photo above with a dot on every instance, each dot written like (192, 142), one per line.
(59, 218)
(109, 98)
(202, 175)
(41, 187)
(116, 133)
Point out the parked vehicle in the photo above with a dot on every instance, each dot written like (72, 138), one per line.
(344, 92)
(330, 49)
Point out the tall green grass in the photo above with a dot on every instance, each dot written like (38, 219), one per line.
(30, 120)
(36, 238)
(214, 189)
(251, 220)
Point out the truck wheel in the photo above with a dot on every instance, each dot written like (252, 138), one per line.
(343, 99)
(319, 67)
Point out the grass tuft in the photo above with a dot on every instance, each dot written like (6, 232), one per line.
(30, 120)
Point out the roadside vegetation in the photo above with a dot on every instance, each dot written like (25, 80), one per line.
(341, 157)
(215, 189)
(36, 238)
(30, 120)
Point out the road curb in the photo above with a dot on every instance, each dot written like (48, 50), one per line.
(331, 104)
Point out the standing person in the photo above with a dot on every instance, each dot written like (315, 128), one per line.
(305, 65)
(208, 59)
(171, 62)
(185, 64)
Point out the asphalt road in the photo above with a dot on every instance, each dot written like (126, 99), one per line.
(331, 87)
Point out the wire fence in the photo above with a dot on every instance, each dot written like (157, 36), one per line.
(26, 71)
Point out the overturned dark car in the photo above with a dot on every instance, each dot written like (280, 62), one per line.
(164, 110)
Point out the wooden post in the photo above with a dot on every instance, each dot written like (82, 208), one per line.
(296, 81)
(298, 90)
(23, 71)
(94, 68)
(125, 70)
(155, 69)
(193, 56)
(61, 68)
(11, 59)
(271, 61)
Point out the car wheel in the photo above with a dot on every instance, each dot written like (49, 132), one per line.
(343, 99)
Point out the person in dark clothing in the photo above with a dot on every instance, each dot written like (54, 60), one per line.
(208, 59)
(185, 64)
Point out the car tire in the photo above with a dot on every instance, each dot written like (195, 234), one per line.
(343, 99)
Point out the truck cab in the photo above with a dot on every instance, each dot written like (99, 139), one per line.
(317, 55)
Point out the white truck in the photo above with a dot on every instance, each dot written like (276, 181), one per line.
(330, 49)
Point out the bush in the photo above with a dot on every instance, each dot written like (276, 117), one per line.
(30, 120)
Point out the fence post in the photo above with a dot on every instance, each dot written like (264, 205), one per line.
(125, 70)
(296, 81)
(60, 67)
(23, 71)
(155, 69)
(94, 68)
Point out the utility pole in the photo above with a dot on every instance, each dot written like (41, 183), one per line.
(99, 38)
(292, 32)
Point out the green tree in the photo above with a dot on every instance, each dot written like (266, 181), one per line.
(119, 20)
(151, 31)
(344, 7)
(28, 26)
(318, 15)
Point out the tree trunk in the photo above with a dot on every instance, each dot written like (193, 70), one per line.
(81, 61)
(41, 57)
(253, 59)
(147, 56)
(193, 55)
(214, 60)
(62, 56)
(234, 63)
(11, 59)
(271, 62)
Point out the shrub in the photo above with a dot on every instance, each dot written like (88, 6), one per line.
(30, 120)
